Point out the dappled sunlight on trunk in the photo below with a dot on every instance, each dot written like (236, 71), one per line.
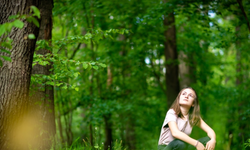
(24, 135)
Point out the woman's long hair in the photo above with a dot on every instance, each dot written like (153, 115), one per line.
(194, 111)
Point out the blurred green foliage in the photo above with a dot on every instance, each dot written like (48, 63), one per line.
(112, 54)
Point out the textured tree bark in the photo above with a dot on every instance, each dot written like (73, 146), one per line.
(42, 96)
(15, 79)
(171, 57)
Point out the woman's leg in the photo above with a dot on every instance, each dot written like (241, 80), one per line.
(176, 145)
(161, 147)
(203, 140)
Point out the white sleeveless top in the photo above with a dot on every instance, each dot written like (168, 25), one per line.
(166, 135)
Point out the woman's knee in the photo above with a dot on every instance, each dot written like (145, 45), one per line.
(204, 140)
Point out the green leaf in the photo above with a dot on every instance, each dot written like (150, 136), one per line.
(6, 58)
(122, 31)
(76, 74)
(92, 63)
(85, 65)
(58, 84)
(31, 36)
(65, 87)
(33, 20)
(6, 51)
(77, 89)
(50, 83)
(1, 63)
(88, 36)
(36, 11)
(18, 23)
(13, 17)
(78, 63)
(2, 29)
(6, 44)
(95, 67)
(103, 65)
(111, 37)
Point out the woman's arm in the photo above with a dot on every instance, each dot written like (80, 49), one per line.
(210, 132)
(183, 136)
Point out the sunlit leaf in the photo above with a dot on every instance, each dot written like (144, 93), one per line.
(36, 11)
(77, 89)
(18, 23)
(95, 67)
(85, 65)
(31, 36)
(13, 17)
(6, 51)
(6, 58)
(2, 29)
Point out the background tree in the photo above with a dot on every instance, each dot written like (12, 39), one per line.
(42, 95)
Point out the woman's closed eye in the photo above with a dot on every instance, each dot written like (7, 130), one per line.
(189, 95)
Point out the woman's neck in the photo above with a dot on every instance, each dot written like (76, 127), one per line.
(184, 111)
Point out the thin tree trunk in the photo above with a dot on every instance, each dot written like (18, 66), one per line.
(91, 24)
(59, 122)
(239, 76)
(107, 117)
(108, 132)
(59, 115)
(43, 95)
(184, 70)
(171, 57)
(239, 81)
(68, 116)
(130, 133)
(15, 80)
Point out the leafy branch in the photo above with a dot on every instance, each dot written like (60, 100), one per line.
(63, 70)
(63, 67)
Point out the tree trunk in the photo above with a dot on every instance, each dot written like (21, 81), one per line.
(242, 103)
(15, 129)
(43, 95)
(130, 133)
(184, 70)
(108, 132)
(172, 81)
(107, 117)
(239, 76)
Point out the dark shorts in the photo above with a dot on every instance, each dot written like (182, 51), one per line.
(180, 145)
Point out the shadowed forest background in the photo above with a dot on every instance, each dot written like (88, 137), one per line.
(105, 72)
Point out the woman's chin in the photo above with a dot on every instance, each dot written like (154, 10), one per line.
(185, 105)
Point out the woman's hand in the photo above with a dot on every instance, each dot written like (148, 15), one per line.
(210, 144)
(200, 146)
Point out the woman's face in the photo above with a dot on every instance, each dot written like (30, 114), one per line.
(187, 97)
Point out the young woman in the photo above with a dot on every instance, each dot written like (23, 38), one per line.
(179, 121)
